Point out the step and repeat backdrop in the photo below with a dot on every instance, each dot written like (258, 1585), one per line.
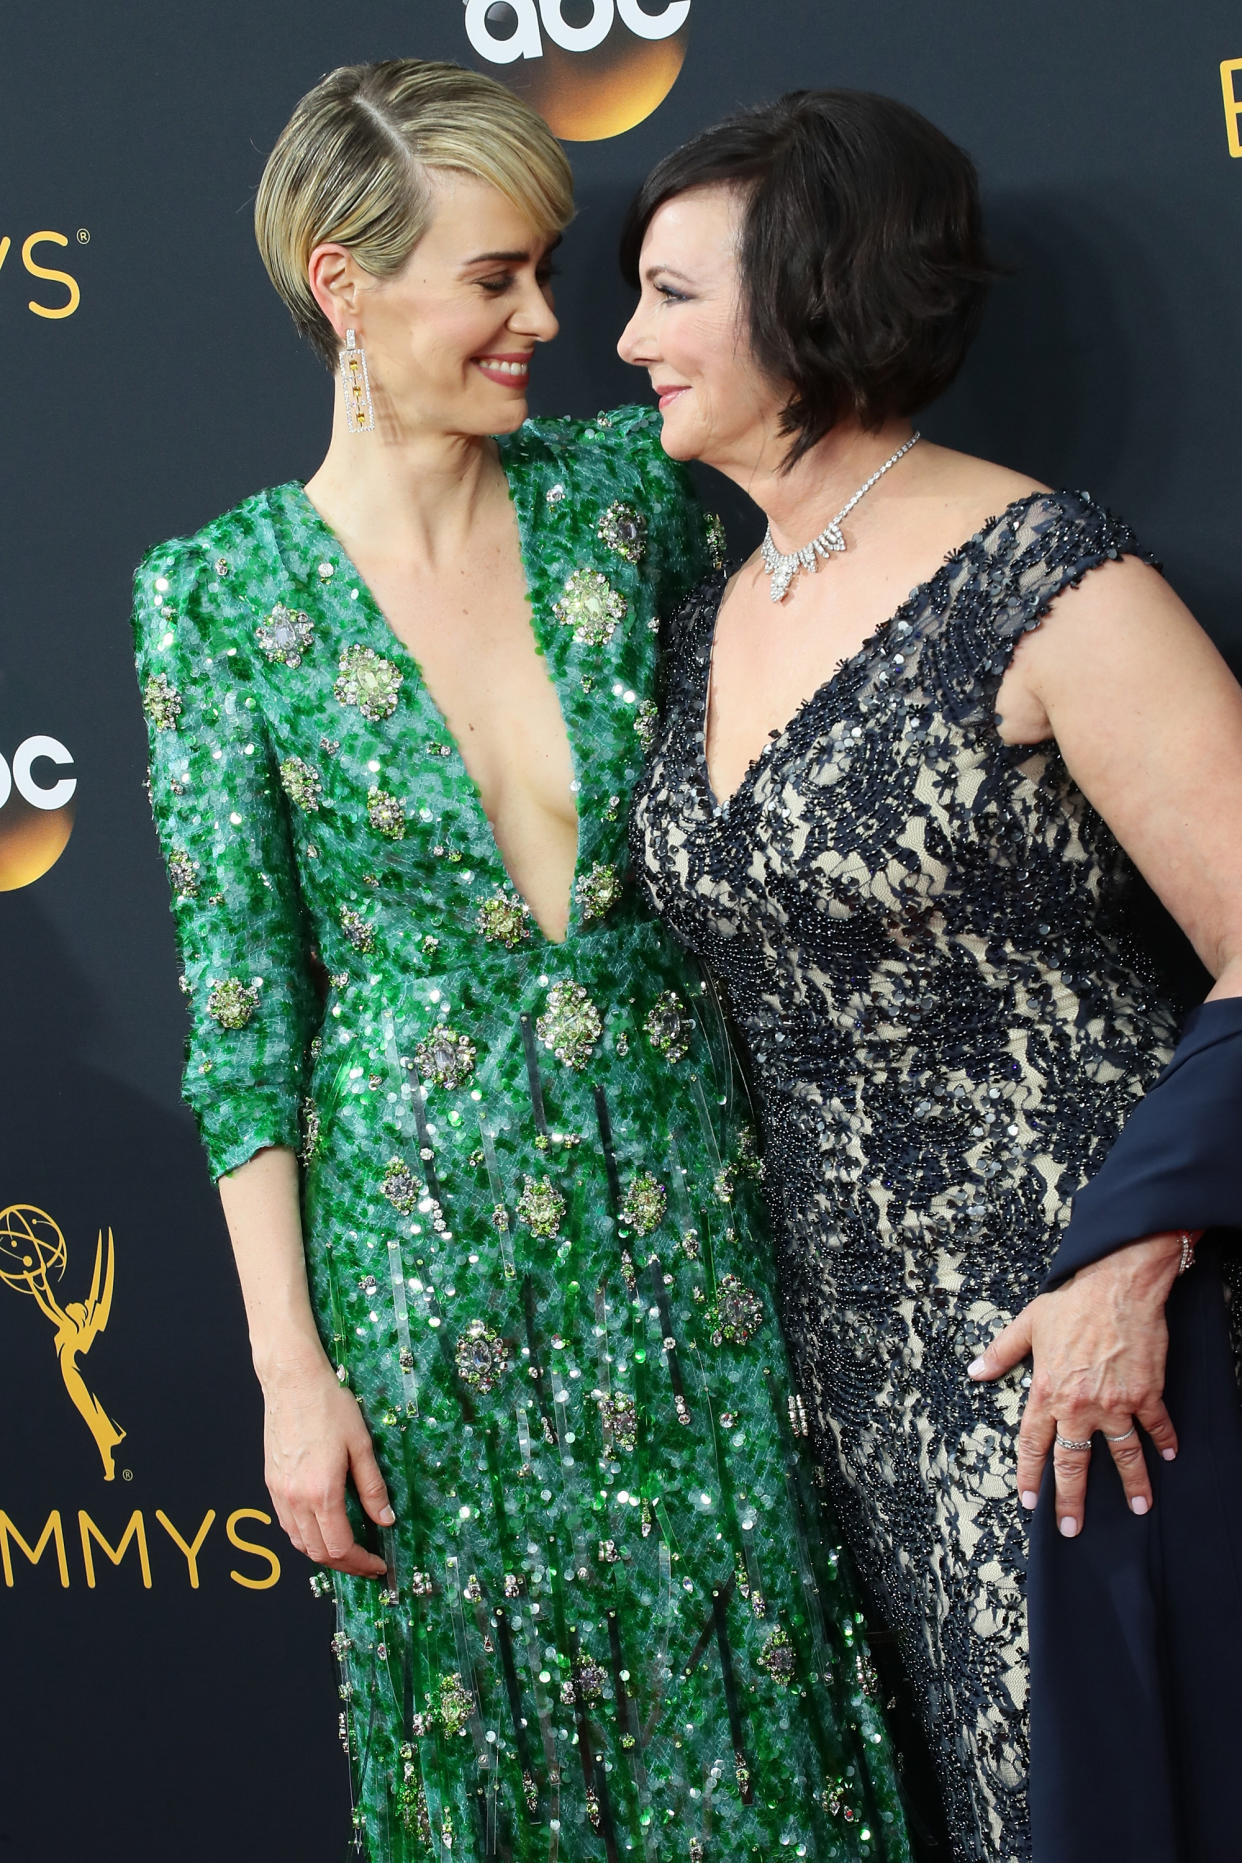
(167, 1673)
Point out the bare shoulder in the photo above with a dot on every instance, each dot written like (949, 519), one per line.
(974, 489)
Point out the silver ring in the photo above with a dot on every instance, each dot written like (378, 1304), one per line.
(1124, 1437)
(1067, 1442)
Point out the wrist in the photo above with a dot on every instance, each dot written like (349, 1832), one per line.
(288, 1357)
(1148, 1267)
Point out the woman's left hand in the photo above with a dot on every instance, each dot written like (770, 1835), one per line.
(1097, 1347)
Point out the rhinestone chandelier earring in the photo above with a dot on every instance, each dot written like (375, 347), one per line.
(356, 383)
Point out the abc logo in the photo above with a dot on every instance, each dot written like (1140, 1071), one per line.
(592, 68)
(36, 810)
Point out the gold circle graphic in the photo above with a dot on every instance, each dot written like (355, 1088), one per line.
(31, 841)
(592, 96)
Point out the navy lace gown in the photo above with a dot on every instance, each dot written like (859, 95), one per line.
(921, 934)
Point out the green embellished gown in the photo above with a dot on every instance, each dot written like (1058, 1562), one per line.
(613, 1623)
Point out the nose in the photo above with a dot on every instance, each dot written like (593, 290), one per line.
(534, 316)
(633, 345)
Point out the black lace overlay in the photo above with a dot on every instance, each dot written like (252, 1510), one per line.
(921, 934)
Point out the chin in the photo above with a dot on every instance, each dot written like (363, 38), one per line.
(511, 418)
(676, 445)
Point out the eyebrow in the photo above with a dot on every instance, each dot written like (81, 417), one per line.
(509, 258)
(670, 271)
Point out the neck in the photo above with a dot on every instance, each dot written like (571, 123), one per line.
(798, 503)
(404, 490)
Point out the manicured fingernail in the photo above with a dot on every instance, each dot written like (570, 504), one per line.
(976, 1367)
(1139, 1504)
(387, 1517)
(1069, 1527)
(1170, 1455)
(1029, 1497)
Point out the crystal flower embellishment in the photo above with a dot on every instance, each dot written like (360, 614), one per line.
(482, 1357)
(385, 814)
(359, 931)
(301, 783)
(368, 681)
(445, 1057)
(644, 1204)
(400, 1186)
(571, 1024)
(597, 892)
(542, 1207)
(232, 1003)
(736, 1314)
(504, 919)
(285, 635)
(591, 607)
(667, 1028)
(162, 702)
(623, 530)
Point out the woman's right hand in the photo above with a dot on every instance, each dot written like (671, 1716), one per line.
(314, 1439)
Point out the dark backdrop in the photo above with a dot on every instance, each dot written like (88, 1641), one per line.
(198, 1721)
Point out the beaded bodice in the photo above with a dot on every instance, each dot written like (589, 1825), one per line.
(891, 887)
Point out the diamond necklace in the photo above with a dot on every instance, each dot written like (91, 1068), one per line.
(782, 569)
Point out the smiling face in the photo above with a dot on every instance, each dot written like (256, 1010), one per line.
(450, 338)
(690, 333)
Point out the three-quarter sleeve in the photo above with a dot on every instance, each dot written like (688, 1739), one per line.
(221, 819)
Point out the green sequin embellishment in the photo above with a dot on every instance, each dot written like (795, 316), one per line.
(597, 891)
(232, 1003)
(504, 919)
(482, 1357)
(302, 784)
(619, 1415)
(644, 1204)
(400, 1186)
(777, 1657)
(385, 814)
(646, 719)
(162, 702)
(571, 1024)
(717, 542)
(368, 681)
(183, 873)
(286, 635)
(445, 1057)
(667, 1028)
(591, 607)
(624, 530)
(541, 1207)
(455, 1704)
(736, 1314)
(359, 931)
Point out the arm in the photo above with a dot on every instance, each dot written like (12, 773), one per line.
(314, 1435)
(1149, 721)
(221, 819)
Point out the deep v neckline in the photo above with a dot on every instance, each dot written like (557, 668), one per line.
(839, 678)
(397, 650)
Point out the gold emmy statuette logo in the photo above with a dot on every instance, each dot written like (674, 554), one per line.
(32, 1251)
(592, 68)
(1231, 85)
(36, 811)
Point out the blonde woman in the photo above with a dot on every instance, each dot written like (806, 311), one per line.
(492, 1209)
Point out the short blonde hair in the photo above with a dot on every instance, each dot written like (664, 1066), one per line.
(351, 166)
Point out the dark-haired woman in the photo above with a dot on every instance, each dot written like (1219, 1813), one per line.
(913, 750)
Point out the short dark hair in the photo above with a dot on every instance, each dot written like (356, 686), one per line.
(863, 261)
